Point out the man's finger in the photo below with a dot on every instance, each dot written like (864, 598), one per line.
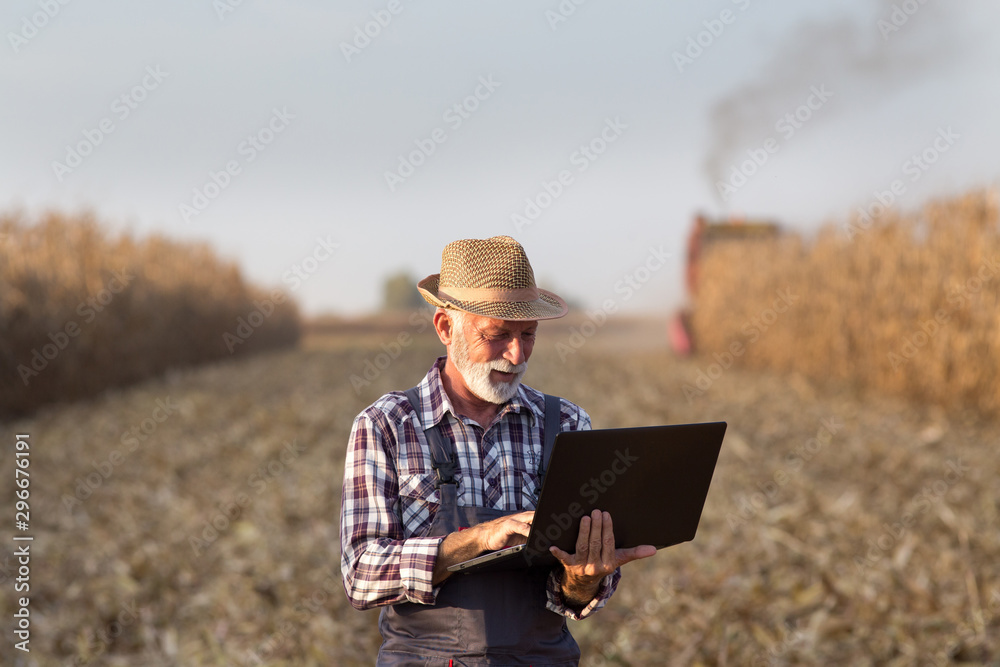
(608, 542)
(513, 539)
(521, 527)
(596, 523)
(563, 557)
(635, 553)
(583, 538)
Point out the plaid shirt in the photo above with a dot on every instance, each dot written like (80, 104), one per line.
(390, 499)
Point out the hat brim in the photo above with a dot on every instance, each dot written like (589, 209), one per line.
(548, 306)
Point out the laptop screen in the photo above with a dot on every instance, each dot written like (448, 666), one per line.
(652, 480)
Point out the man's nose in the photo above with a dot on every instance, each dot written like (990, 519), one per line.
(515, 352)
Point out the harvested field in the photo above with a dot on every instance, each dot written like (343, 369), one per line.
(838, 530)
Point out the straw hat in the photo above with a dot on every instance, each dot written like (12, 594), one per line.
(490, 277)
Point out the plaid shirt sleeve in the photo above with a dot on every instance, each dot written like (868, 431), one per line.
(379, 566)
(574, 418)
(557, 603)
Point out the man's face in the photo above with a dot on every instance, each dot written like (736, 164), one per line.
(492, 355)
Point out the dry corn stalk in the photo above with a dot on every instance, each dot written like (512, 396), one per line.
(907, 304)
(81, 311)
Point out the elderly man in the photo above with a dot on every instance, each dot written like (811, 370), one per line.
(450, 469)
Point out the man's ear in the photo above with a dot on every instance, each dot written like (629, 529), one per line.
(442, 325)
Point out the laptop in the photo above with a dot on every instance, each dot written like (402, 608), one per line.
(653, 480)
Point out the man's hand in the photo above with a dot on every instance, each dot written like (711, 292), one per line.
(507, 531)
(595, 558)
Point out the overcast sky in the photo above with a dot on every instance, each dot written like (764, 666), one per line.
(454, 119)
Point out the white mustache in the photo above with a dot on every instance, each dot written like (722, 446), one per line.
(505, 366)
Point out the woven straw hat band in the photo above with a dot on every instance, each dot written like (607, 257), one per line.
(484, 294)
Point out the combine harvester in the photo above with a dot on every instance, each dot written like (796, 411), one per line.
(704, 234)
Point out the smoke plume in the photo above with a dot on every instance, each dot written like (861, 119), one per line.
(859, 60)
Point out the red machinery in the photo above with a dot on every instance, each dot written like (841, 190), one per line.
(704, 233)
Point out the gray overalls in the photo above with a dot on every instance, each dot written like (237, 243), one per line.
(487, 618)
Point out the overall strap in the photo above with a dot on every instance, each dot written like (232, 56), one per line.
(442, 455)
(552, 419)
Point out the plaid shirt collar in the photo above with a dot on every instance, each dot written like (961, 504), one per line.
(435, 402)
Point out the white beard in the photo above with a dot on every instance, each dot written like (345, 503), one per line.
(477, 375)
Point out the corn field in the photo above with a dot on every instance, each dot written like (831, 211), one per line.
(81, 310)
(903, 303)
